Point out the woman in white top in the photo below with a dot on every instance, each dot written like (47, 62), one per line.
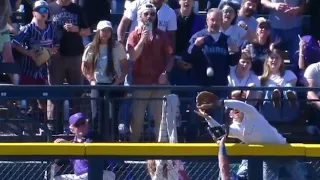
(275, 75)
(238, 34)
(104, 61)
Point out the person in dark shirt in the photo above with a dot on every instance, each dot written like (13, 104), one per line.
(188, 23)
(314, 18)
(94, 12)
(80, 127)
(70, 26)
(260, 47)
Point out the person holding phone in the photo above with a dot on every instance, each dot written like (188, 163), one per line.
(249, 126)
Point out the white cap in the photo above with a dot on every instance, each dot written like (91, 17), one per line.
(147, 7)
(40, 3)
(103, 24)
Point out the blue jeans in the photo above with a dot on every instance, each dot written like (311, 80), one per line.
(283, 114)
(289, 37)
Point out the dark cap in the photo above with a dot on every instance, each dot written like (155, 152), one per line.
(77, 118)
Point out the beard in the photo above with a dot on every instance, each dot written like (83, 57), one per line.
(248, 13)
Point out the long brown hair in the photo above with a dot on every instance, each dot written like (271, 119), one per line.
(94, 48)
(266, 69)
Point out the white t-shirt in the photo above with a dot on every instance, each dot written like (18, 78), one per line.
(100, 74)
(234, 81)
(281, 81)
(313, 73)
(236, 33)
(167, 18)
(254, 129)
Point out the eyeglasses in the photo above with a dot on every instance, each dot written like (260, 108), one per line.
(149, 13)
(42, 10)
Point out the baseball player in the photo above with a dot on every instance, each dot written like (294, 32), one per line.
(249, 126)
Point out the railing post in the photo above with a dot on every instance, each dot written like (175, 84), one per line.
(255, 169)
(95, 168)
(107, 120)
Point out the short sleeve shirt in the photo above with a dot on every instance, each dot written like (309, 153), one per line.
(167, 19)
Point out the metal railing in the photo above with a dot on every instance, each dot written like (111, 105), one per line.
(15, 119)
(128, 161)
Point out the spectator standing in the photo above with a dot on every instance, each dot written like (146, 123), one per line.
(70, 26)
(35, 35)
(208, 54)
(286, 18)
(151, 52)
(94, 11)
(246, 14)
(101, 64)
(188, 23)
(315, 16)
(5, 28)
(209, 49)
(229, 25)
(166, 19)
(260, 46)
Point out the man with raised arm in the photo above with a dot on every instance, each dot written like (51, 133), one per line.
(249, 126)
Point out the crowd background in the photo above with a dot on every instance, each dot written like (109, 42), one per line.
(202, 43)
(242, 22)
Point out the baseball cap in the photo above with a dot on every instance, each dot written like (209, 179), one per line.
(77, 119)
(262, 22)
(103, 24)
(40, 3)
(147, 7)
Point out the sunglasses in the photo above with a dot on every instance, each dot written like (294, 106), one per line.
(149, 13)
(42, 10)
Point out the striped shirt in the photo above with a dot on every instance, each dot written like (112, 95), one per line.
(32, 36)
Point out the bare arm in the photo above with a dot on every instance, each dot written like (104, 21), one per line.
(135, 46)
(268, 4)
(223, 161)
(21, 49)
(84, 32)
(311, 95)
(123, 28)
(172, 36)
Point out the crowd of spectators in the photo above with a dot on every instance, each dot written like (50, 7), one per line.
(168, 43)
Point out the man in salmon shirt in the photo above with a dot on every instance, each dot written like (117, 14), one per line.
(151, 51)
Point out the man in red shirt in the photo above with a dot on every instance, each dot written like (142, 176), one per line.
(151, 51)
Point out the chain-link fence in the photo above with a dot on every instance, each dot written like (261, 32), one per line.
(136, 170)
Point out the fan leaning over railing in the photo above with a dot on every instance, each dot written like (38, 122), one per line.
(168, 169)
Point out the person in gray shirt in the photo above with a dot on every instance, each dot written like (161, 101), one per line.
(246, 14)
(286, 21)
